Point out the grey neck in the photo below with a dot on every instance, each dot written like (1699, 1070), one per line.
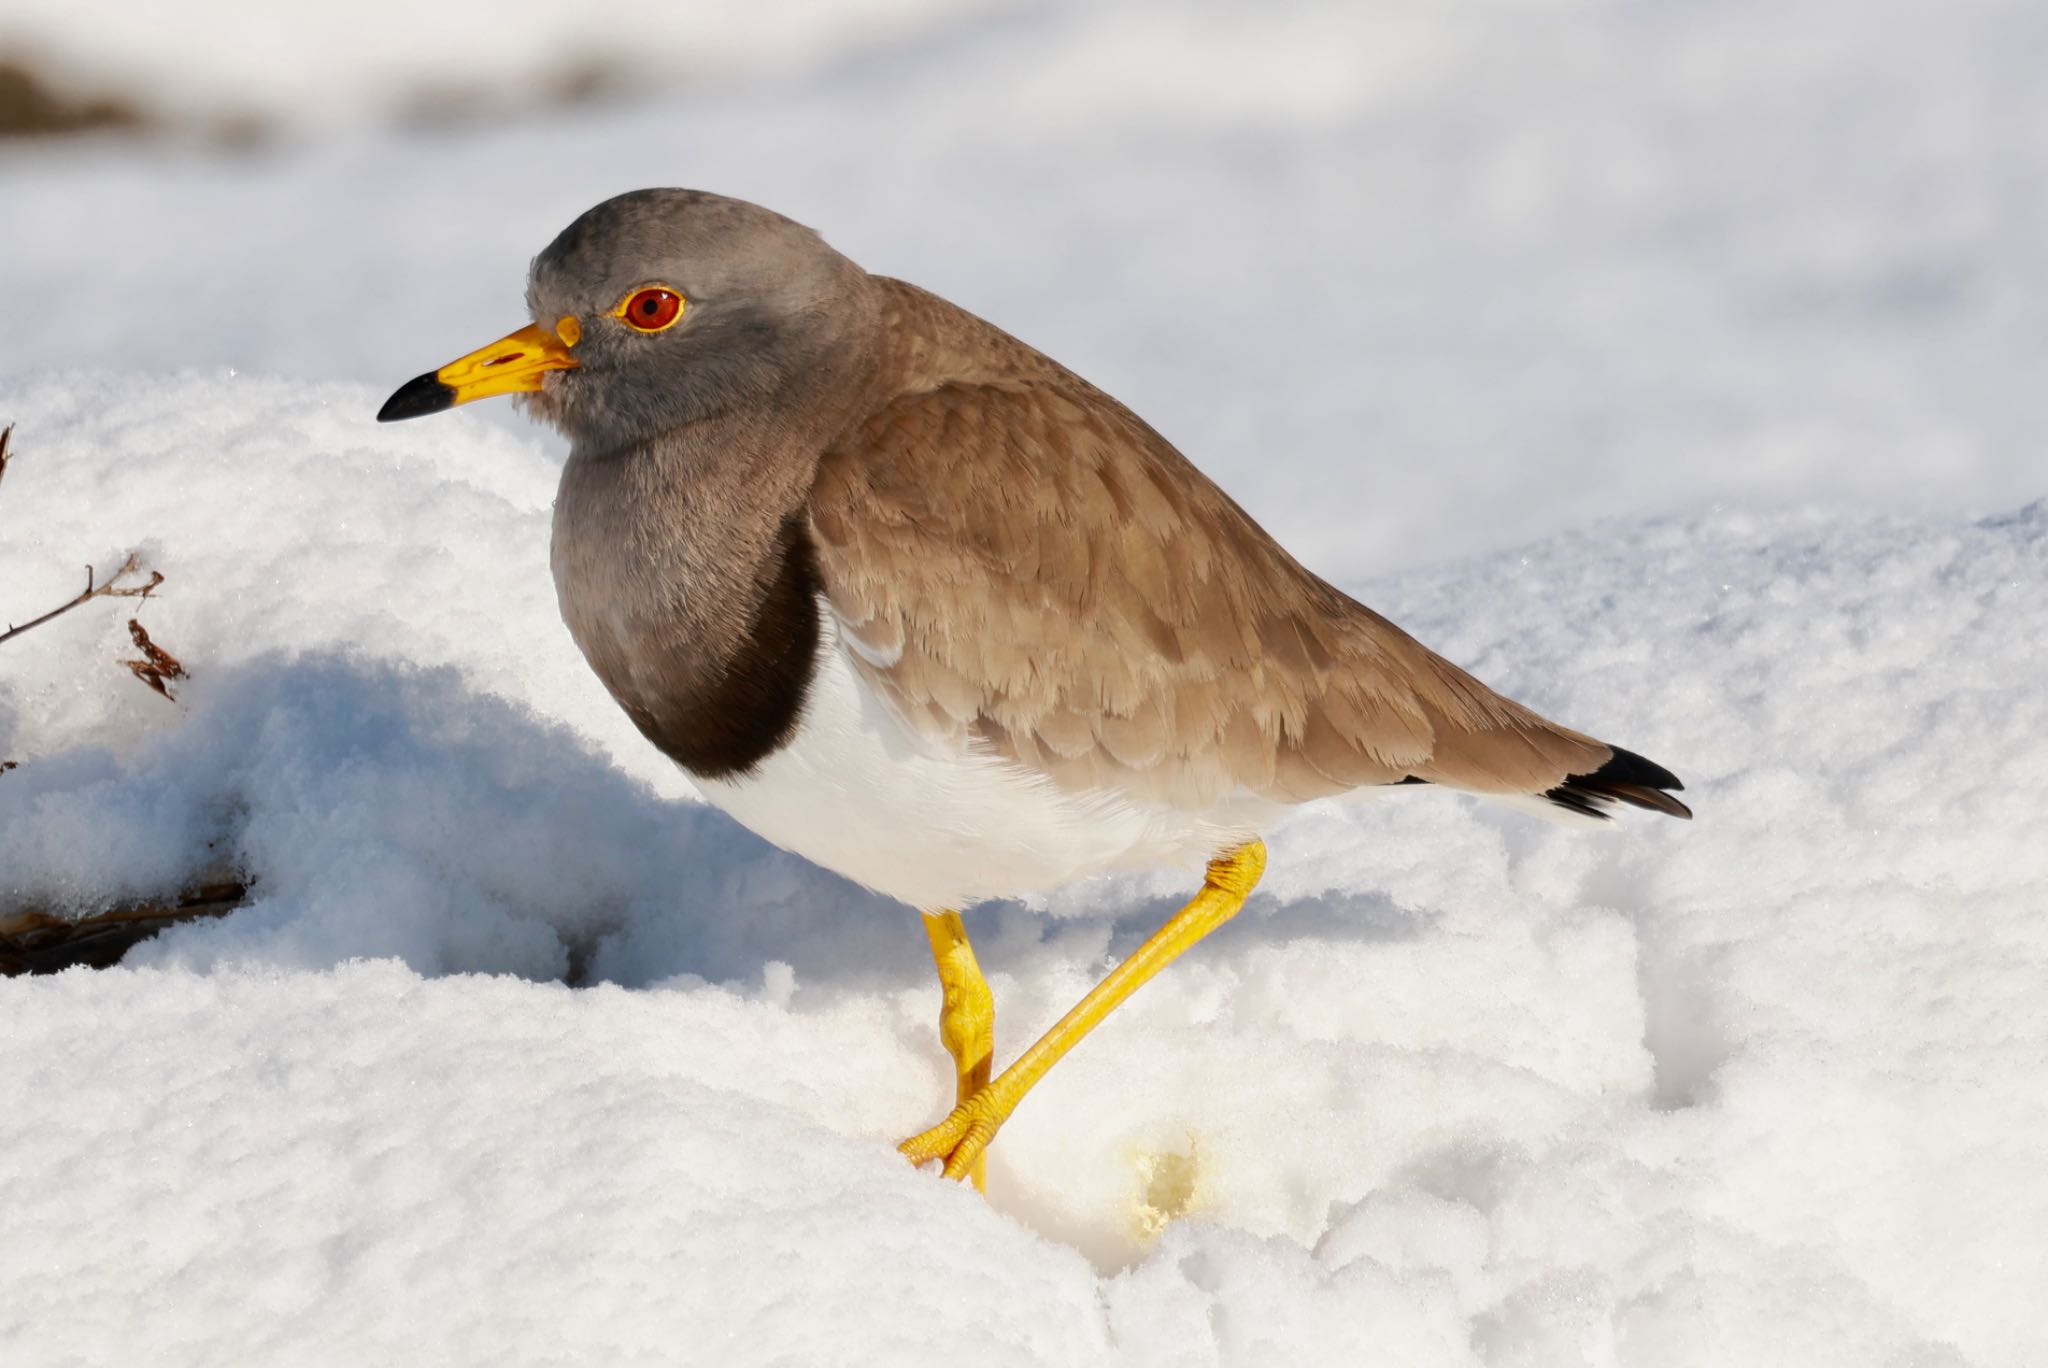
(684, 569)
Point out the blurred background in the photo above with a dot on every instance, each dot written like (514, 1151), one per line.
(1538, 314)
(1414, 279)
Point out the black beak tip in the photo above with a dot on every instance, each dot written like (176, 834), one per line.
(421, 395)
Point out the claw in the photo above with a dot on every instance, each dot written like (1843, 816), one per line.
(958, 1140)
(967, 1016)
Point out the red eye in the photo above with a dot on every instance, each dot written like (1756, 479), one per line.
(651, 309)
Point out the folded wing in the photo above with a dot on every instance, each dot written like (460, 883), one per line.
(1018, 561)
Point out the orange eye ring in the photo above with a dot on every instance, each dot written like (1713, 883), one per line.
(650, 309)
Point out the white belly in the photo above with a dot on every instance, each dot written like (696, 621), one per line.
(858, 793)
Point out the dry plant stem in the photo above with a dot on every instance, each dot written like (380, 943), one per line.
(6, 436)
(37, 942)
(112, 588)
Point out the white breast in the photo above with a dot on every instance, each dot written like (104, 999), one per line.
(936, 826)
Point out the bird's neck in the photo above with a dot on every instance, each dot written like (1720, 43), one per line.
(683, 568)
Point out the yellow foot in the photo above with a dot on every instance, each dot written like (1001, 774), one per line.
(960, 1139)
(967, 1020)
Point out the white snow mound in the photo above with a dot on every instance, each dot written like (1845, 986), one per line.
(1457, 1088)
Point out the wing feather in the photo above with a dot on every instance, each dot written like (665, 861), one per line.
(1025, 564)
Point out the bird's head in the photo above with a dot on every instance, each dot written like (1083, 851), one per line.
(660, 308)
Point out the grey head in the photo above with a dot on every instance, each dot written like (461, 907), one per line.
(700, 353)
(662, 308)
(765, 315)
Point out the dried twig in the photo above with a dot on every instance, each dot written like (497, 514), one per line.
(112, 588)
(156, 664)
(42, 943)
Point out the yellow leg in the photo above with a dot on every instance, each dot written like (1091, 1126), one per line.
(960, 1139)
(967, 1015)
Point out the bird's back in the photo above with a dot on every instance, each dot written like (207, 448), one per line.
(1019, 563)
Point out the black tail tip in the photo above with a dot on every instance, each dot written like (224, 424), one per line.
(1625, 778)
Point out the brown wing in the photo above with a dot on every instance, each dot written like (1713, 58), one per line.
(1021, 560)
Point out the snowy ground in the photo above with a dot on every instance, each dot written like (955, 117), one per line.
(1674, 367)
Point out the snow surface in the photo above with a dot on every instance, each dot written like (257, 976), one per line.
(1413, 280)
(293, 68)
(1674, 367)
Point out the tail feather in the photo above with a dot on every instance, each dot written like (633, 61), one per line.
(1625, 778)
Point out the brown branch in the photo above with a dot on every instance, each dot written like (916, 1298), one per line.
(42, 943)
(34, 942)
(113, 588)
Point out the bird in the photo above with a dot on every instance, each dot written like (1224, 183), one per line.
(907, 597)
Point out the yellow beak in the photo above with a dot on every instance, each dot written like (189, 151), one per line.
(509, 365)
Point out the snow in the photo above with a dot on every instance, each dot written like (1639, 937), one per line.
(291, 69)
(1671, 367)
(1593, 259)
